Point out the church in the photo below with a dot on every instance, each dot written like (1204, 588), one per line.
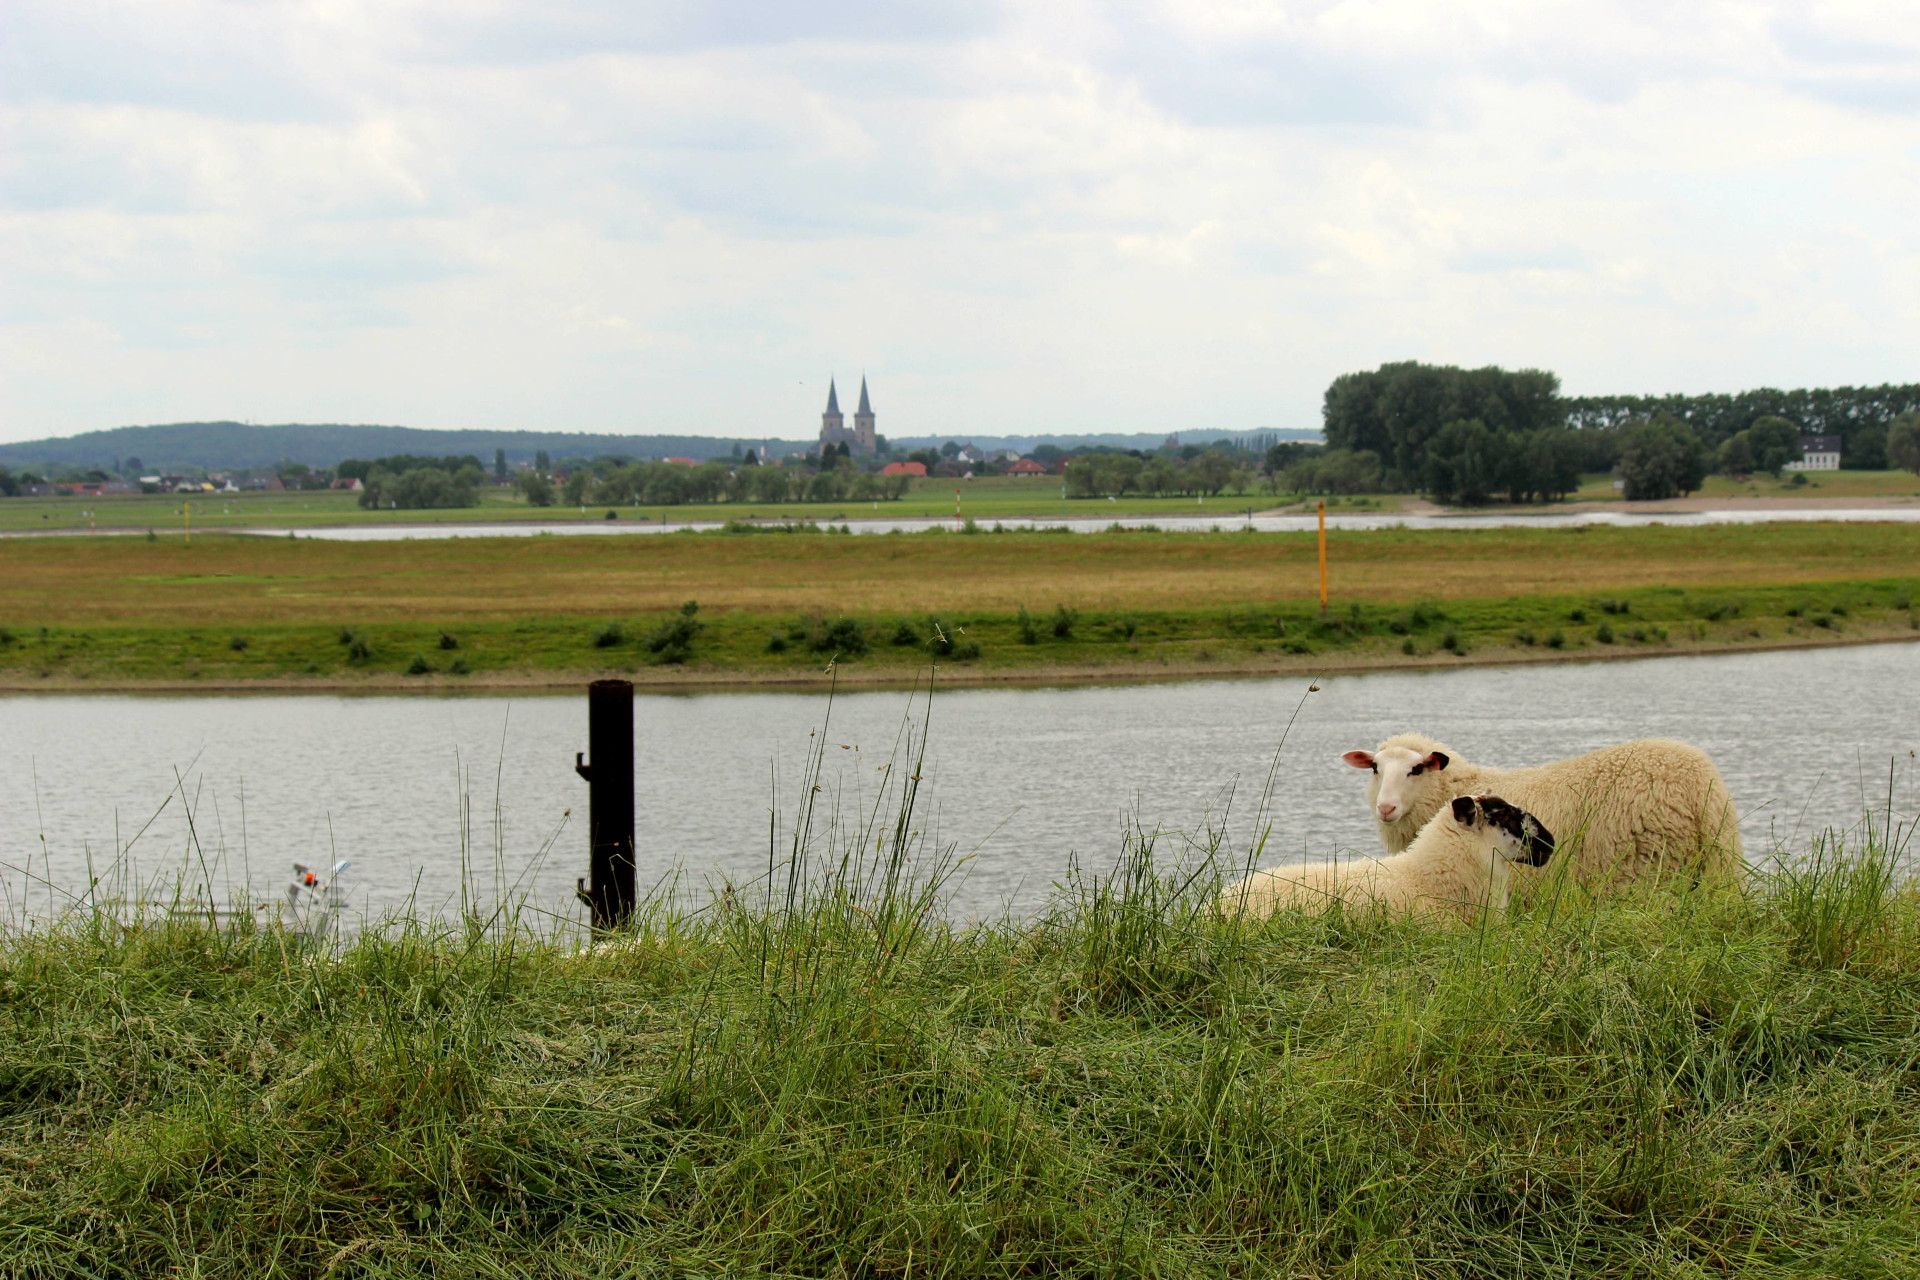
(833, 424)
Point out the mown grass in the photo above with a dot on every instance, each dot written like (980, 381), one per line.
(232, 609)
(823, 1075)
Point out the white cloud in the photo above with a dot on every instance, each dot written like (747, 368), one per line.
(1158, 216)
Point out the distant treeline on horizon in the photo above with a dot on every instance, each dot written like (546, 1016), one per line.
(237, 446)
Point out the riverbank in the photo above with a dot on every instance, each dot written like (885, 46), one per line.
(991, 608)
(1668, 1083)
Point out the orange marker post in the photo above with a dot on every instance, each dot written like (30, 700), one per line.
(1323, 555)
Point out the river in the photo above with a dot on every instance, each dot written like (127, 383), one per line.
(435, 797)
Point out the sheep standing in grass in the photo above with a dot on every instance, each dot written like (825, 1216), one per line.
(1457, 867)
(1624, 812)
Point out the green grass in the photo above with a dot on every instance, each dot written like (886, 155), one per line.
(895, 644)
(781, 606)
(997, 497)
(822, 1075)
(1893, 483)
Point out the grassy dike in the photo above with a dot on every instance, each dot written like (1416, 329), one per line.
(232, 611)
(830, 1079)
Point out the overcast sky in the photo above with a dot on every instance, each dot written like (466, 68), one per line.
(614, 216)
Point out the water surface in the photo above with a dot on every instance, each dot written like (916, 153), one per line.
(426, 795)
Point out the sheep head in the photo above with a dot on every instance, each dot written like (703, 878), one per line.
(1405, 789)
(1517, 835)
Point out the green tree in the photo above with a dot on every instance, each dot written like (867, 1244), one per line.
(1736, 455)
(537, 488)
(1903, 442)
(1213, 470)
(1461, 465)
(1774, 442)
(499, 464)
(542, 463)
(1661, 457)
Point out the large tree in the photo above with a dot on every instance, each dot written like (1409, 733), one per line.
(1903, 442)
(1661, 457)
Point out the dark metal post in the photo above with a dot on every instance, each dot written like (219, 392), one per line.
(609, 891)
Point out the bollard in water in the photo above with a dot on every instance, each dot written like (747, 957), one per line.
(608, 890)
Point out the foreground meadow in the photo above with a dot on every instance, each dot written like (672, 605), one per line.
(742, 607)
(824, 1076)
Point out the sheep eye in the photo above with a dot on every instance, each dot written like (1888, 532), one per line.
(1416, 771)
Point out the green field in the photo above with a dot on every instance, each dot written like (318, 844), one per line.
(988, 498)
(230, 609)
(825, 1077)
(982, 499)
(1826, 485)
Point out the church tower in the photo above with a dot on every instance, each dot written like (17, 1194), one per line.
(833, 424)
(863, 439)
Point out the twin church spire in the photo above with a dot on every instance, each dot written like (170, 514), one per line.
(833, 426)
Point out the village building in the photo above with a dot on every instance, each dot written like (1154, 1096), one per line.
(1818, 453)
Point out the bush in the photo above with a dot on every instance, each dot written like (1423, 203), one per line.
(358, 650)
(1063, 620)
(458, 667)
(1557, 641)
(1524, 637)
(448, 642)
(1409, 648)
(238, 644)
(966, 651)
(671, 642)
(1578, 615)
(1603, 633)
(1024, 625)
(419, 666)
(842, 636)
(609, 636)
(776, 643)
(905, 635)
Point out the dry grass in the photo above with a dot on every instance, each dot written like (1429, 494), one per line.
(227, 580)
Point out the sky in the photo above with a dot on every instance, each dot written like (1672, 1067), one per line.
(1060, 216)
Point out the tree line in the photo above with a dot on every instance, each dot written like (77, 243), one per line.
(1469, 435)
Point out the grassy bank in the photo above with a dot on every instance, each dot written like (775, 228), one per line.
(229, 610)
(830, 1079)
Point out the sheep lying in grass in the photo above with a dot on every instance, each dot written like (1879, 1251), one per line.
(1623, 812)
(1457, 867)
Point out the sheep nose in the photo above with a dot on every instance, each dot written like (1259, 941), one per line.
(1387, 811)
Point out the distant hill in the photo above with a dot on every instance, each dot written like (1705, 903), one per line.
(222, 446)
(232, 446)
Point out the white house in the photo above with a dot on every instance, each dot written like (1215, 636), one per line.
(1818, 453)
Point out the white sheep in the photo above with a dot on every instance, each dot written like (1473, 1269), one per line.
(1622, 812)
(1457, 867)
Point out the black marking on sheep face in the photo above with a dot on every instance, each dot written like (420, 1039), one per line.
(1436, 761)
(1528, 831)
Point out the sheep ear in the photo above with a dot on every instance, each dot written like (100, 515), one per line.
(1359, 759)
(1436, 760)
(1466, 810)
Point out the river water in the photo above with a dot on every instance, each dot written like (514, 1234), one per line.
(432, 797)
(1217, 522)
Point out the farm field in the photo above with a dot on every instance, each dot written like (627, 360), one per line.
(1030, 605)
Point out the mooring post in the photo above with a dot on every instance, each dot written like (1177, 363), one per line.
(608, 890)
